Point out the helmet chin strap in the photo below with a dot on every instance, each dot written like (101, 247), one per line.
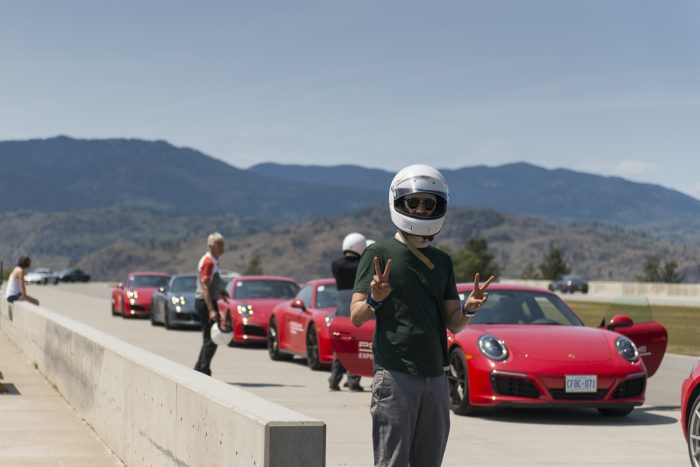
(416, 252)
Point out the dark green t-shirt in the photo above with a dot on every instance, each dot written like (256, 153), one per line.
(410, 334)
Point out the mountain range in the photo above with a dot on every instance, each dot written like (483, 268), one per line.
(120, 204)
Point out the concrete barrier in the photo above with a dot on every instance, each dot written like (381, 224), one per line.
(151, 411)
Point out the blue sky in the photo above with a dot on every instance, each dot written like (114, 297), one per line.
(610, 87)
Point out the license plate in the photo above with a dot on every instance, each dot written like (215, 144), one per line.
(581, 383)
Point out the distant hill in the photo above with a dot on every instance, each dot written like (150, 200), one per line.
(110, 242)
(115, 205)
(63, 174)
(554, 195)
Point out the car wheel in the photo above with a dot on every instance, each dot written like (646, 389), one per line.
(694, 433)
(44, 281)
(114, 312)
(459, 384)
(273, 344)
(124, 311)
(621, 412)
(166, 318)
(312, 352)
(153, 317)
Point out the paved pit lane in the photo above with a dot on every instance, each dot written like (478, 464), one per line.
(650, 436)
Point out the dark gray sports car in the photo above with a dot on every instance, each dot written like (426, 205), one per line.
(173, 306)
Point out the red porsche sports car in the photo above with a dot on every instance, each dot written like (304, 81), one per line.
(690, 413)
(300, 327)
(250, 302)
(133, 296)
(526, 347)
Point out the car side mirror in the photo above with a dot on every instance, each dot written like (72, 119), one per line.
(299, 303)
(619, 321)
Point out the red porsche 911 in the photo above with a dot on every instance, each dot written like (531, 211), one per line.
(690, 413)
(250, 302)
(300, 327)
(133, 296)
(527, 348)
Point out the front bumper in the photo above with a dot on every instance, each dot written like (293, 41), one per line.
(614, 388)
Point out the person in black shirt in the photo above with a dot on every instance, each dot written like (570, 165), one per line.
(344, 269)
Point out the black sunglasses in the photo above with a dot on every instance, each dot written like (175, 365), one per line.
(428, 204)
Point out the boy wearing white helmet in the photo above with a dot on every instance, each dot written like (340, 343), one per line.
(409, 286)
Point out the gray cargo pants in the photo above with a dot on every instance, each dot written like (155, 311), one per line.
(410, 419)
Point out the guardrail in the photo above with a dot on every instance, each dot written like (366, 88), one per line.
(151, 411)
(652, 289)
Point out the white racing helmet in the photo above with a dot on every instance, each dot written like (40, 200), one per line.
(220, 337)
(354, 242)
(414, 179)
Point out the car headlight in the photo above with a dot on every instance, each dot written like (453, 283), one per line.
(328, 320)
(627, 349)
(245, 310)
(177, 300)
(493, 348)
(132, 294)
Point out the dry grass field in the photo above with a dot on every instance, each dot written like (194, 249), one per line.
(682, 323)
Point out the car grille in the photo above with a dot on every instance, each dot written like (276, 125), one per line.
(516, 387)
(249, 330)
(630, 388)
(137, 308)
(562, 395)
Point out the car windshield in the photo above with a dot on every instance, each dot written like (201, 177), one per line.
(265, 289)
(326, 296)
(148, 281)
(572, 278)
(524, 307)
(184, 284)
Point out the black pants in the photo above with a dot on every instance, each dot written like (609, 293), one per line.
(208, 347)
(337, 372)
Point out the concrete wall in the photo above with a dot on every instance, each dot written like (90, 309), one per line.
(153, 412)
(651, 289)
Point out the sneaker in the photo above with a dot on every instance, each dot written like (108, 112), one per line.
(334, 388)
(346, 385)
(356, 388)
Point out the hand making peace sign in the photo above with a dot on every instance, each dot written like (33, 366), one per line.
(379, 287)
(478, 296)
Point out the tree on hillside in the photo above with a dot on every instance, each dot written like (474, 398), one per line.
(530, 272)
(553, 265)
(654, 272)
(473, 258)
(254, 267)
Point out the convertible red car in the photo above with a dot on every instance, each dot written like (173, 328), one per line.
(250, 302)
(300, 327)
(133, 296)
(526, 347)
(690, 413)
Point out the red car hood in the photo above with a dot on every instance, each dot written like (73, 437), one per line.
(551, 342)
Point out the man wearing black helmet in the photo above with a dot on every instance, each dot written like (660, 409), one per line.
(409, 287)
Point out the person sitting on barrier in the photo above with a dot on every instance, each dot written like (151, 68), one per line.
(16, 288)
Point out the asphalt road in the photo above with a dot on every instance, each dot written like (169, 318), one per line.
(651, 435)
